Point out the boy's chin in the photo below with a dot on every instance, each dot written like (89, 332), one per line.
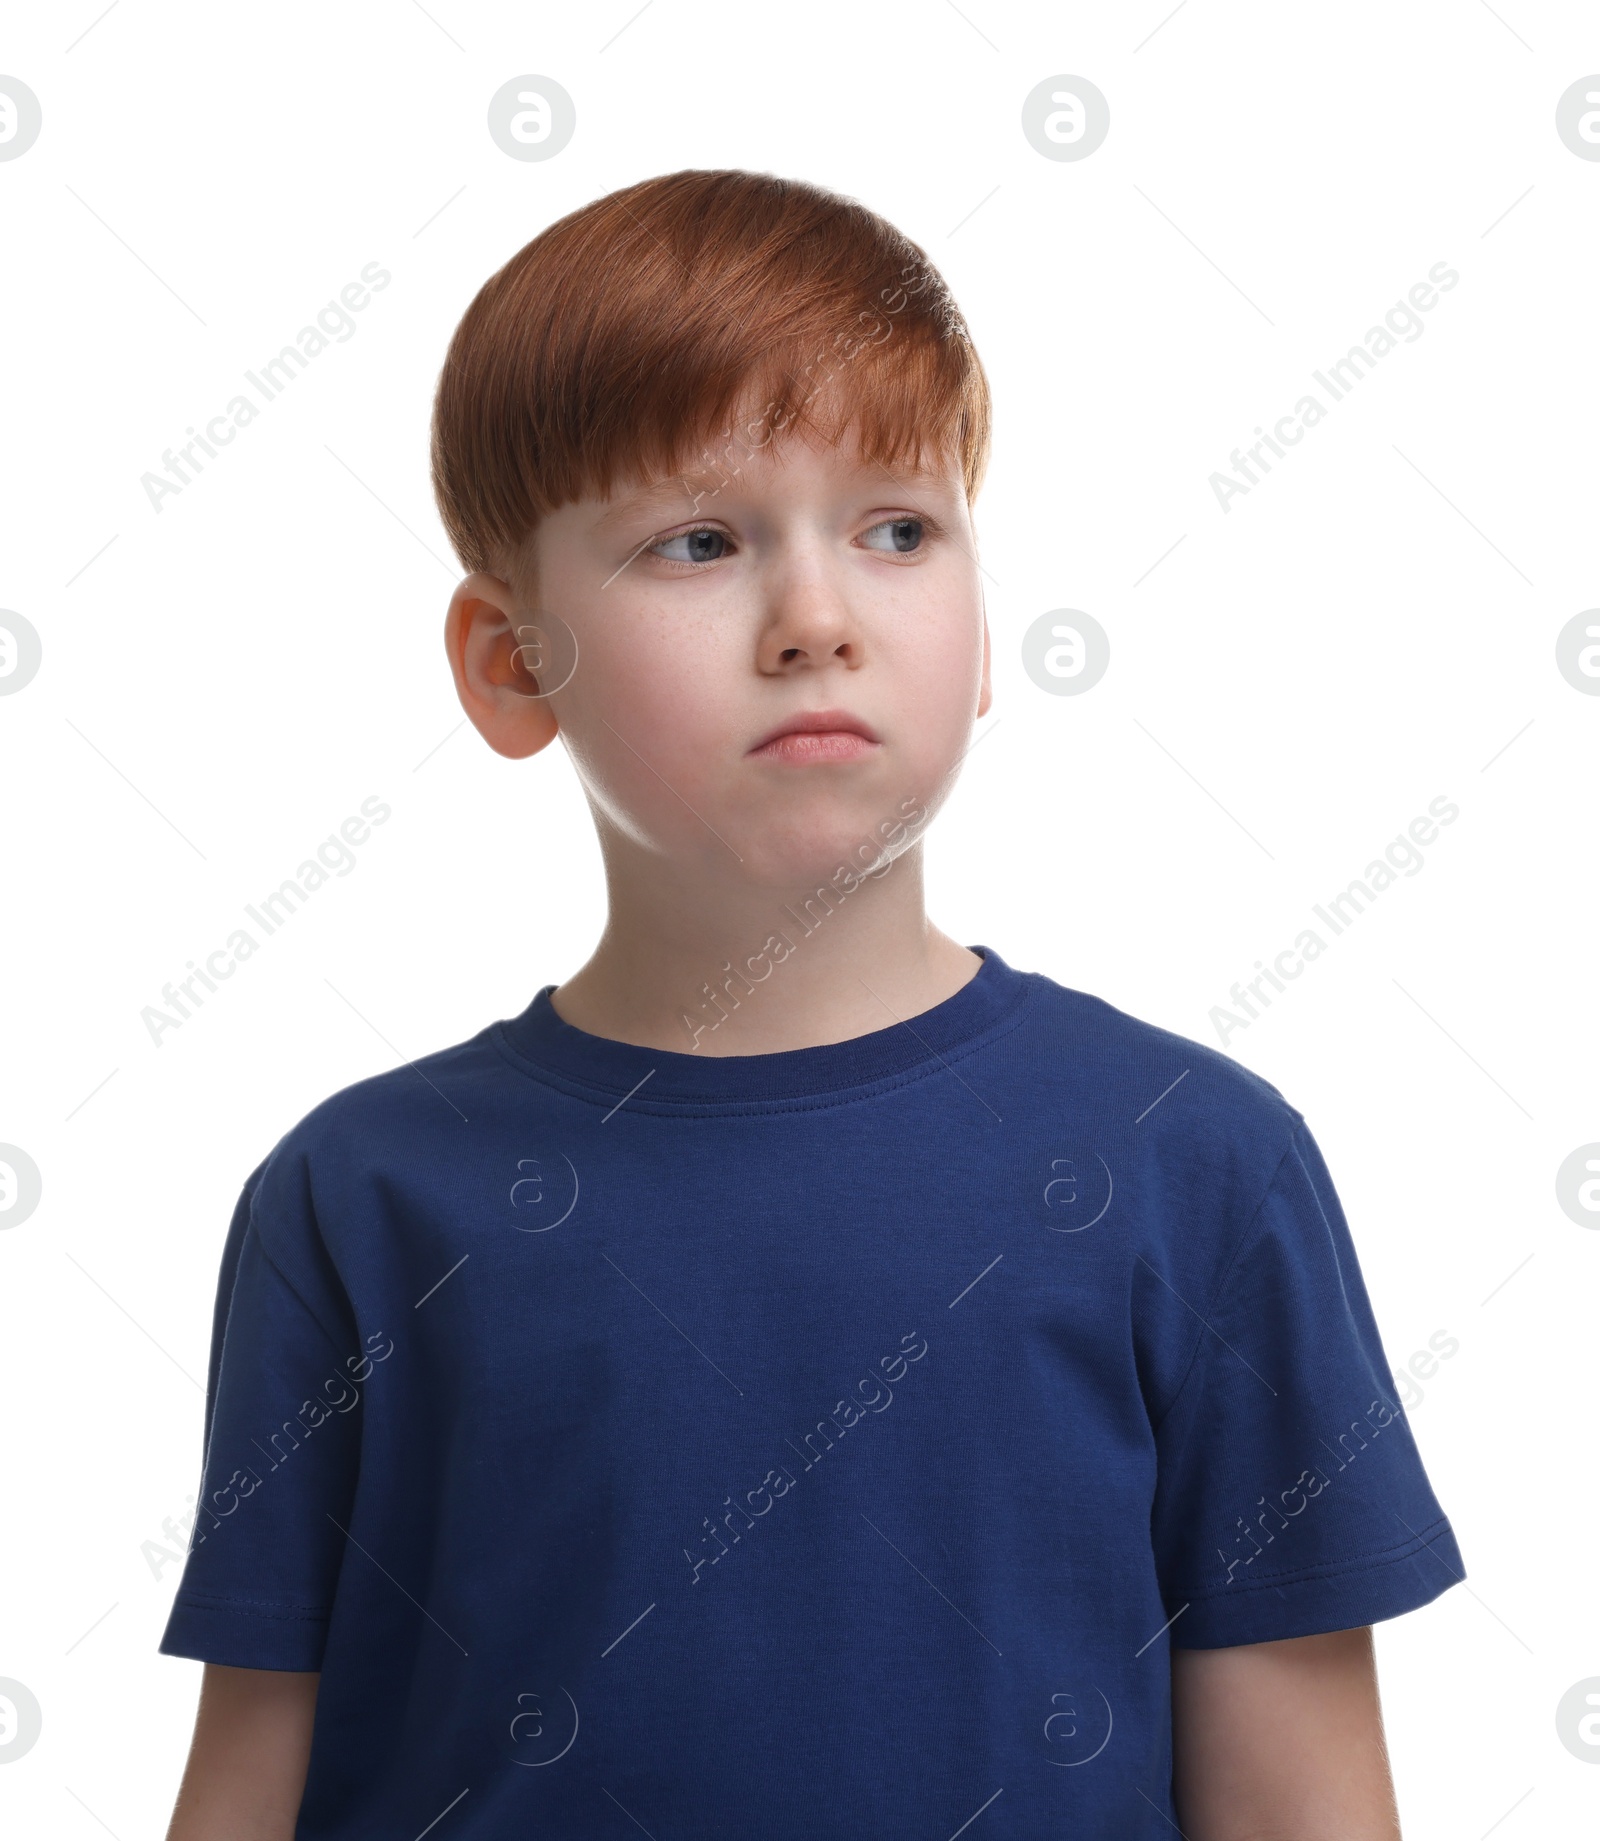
(789, 855)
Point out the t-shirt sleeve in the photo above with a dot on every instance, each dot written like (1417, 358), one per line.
(1291, 1498)
(281, 1440)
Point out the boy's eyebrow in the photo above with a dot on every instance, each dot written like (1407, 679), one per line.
(675, 488)
(659, 492)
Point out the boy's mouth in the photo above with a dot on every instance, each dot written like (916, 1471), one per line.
(817, 735)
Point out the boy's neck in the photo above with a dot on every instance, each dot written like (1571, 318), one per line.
(870, 961)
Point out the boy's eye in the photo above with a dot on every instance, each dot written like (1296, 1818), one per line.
(702, 546)
(707, 545)
(903, 534)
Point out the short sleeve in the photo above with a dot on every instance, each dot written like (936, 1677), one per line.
(281, 1441)
(1291, 1498)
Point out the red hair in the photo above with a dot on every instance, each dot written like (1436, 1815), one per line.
(619, 342)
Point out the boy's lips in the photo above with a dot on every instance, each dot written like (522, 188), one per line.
(817, 735)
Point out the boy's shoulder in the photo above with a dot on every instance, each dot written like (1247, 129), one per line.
(1146, 1066)
(409, 1107)
(1196, 1140)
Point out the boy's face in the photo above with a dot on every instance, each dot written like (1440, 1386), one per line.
(705, 614)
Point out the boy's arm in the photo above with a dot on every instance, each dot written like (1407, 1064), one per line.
(247, 1764)
(1281, 1742)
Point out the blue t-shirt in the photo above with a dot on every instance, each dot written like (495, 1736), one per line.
(822, 1443)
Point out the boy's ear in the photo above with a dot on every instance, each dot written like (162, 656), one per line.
(496, 665)
(985, 689)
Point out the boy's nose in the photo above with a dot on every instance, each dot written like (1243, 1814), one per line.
(809, 622)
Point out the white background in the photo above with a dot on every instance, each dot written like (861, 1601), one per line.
(1371, 627)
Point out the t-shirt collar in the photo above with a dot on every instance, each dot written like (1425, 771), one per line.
(549, 1047)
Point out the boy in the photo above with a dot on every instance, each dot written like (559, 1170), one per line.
(801, 1377)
